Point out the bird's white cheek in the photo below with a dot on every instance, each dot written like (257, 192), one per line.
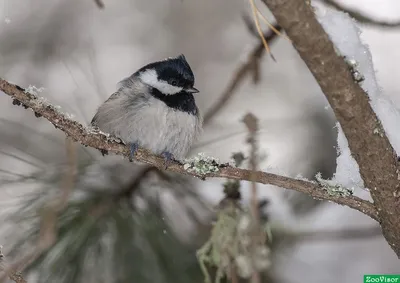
(149, 77)
(166, 88)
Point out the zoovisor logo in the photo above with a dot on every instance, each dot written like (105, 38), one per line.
(377, 278)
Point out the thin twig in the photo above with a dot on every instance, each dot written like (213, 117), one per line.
(360, 17)
(239, 75)
(233, 274)
(106, 142)
(334, 235)
(48, 230)
(99, 3)
(252, 126)
(251, 123)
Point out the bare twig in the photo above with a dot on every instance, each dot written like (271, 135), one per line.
(335, 235)
(99, 3)
(251, 123)
(70, 175)
(374, 153)
(360, 17)
(252, 126)
(48, 230)
(233, 274)
(239, 75)
(103, 141)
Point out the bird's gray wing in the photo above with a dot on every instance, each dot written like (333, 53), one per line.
(119, 114)
(127, 82)
(114, 96)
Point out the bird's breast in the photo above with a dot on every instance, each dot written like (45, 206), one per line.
(167, 129)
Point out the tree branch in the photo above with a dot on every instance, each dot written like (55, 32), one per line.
(239, 75)
(102, 141)
(360, 17)
(374, 154)
(356, 234)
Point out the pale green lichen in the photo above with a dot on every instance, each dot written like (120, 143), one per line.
(232, 240)
(201, 164)
(333, 189)
(339, 191)
(378, 131)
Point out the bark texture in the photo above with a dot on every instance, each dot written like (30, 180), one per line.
(374, 154)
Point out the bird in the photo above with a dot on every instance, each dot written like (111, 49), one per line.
(155, 109)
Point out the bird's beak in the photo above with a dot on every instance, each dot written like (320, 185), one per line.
(192, 90)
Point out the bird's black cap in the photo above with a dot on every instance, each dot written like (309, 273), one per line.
(174, 70)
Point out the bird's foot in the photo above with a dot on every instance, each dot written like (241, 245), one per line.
(168, 158)
(133, 147)
(103, 152)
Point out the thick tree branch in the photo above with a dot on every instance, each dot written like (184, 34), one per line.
(103, 141)
(374, 154)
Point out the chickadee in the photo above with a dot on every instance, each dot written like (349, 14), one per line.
(155, 109)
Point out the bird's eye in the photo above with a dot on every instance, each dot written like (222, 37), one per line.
(174, 82)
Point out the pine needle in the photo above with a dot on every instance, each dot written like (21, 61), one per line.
(271, 26)
(256, 15)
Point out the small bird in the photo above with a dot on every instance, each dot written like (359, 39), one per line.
(155, 109)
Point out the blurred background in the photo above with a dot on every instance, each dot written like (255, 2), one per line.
(129, 223)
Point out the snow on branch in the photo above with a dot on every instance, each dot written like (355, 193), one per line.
(359, 59)
(354, 108)
(103, 141)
